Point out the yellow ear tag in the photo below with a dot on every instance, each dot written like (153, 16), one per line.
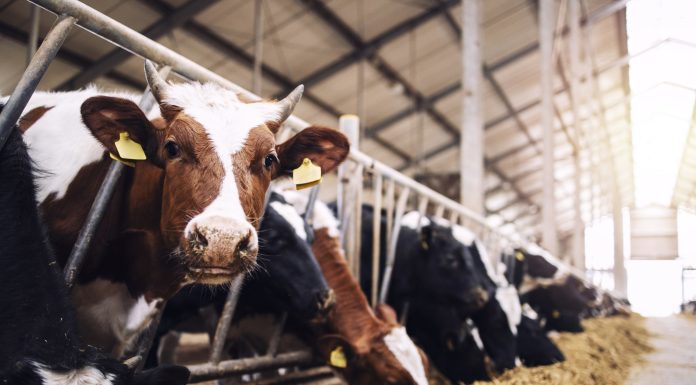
(307, 175)
(519, 256)
(555, 314)
(338, 358)
(128, 148)
(127, 163)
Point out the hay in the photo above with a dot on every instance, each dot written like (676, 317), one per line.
(602, 355)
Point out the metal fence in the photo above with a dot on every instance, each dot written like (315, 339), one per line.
(391, 190)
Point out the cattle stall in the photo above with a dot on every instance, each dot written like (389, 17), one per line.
(360, 179)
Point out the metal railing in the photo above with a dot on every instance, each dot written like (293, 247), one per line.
(386, 181)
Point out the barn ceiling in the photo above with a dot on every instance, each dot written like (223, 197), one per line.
(398, 64)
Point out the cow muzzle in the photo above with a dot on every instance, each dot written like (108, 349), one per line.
(220, 249)
(325, 301)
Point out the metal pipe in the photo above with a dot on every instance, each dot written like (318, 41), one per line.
(33, 42)
(575, 92)
(376, 236)
(210, 371)
(308, 215)
(258, 47)
(32, 75)
(546, 28)
(225, 320)
(277, 333)
(391, 247)
(96, 212)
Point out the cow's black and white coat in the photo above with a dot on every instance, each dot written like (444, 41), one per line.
(39, 342)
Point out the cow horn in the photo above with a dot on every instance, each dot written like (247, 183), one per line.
(287, 105)
(132, 362)
(155, 81)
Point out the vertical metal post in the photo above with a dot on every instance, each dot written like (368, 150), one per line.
(546, 28)
(258, 47)
(225, 320)
(391, 246)
(350, 182)
(620, 279)
(472, 143)
(578, 252)
(32, 75)
(33, 42)
(376, 236)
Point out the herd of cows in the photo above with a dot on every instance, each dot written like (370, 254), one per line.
(194, 214)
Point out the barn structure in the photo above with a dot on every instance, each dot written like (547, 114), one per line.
(556, 125)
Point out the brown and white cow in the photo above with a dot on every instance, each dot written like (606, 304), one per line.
(376, 347)
(188, 213)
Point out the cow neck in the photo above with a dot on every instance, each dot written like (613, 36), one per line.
(351, 316)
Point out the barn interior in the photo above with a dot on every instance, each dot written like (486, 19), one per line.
(567, 124)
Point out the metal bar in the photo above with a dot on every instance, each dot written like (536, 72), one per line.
(546, 27)
(439, 211)
(146, 339)
(391, 196)
(224, 322)
(12, 110)
(308, 215)
(275, 337)
(357, 215)
(210, 371)
(33, 41)
(258, 47)
(118, 56)
(391, 246)
(376, 236)
(471, 157)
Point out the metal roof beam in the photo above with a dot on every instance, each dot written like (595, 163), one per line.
(117, 56)
(71, 57)
(367, 49)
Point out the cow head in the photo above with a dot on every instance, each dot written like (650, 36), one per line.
(218, 155)
(447, 270)
(296, 281)
(388, 356)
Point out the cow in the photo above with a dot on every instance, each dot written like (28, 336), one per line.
(480, 344)
(372, 347)
(553, 292)
(187, 214)
(39, 341)
(288, 279)
(429, 262)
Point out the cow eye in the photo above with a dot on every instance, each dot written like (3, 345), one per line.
(172, 149)
(269, 160)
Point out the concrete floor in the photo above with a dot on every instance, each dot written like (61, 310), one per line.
(674, 360)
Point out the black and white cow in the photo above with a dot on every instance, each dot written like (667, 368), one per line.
(39, 342)
(288, 278)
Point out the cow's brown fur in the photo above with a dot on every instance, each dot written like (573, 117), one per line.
(369, 359)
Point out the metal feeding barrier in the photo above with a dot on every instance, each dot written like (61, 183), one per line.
(385, 182)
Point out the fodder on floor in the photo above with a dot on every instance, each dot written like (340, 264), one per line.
(603, 354)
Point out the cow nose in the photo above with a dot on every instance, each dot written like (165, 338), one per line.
(479, 296)
(221, 239)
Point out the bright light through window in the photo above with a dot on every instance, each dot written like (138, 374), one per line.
(662, 83)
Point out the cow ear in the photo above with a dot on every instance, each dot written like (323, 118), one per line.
(108, 117)
(336, 350)
(324, 146)
(163, 375)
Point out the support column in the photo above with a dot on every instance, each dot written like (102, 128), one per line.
(620, 278)
(258, 47)
(578, 246)
(546, 29)
(472, 142)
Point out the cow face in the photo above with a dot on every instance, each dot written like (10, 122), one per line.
(218, 155)
(447, 270)
(286, 256)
